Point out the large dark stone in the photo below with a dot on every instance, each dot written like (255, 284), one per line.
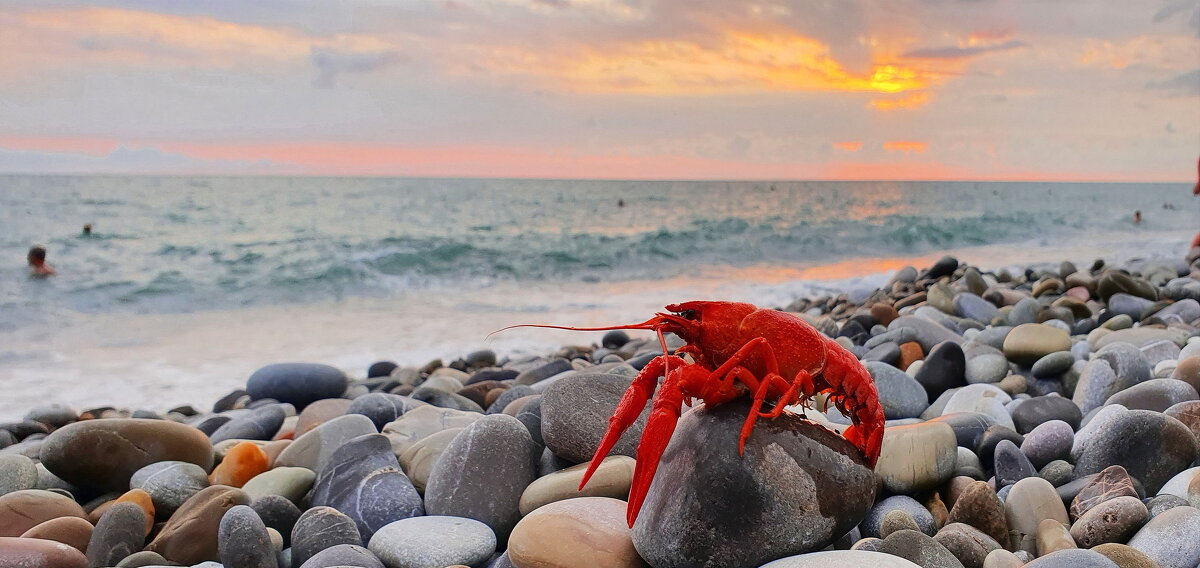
(797, 488)
(104, 454)
(575, 413)
(296, 383)
(483, 472)
(1151, 446)
(363, 479)
(944, 368)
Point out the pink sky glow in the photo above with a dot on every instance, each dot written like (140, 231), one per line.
(1082, 90)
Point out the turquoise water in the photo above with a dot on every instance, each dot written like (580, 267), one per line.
(171, 244)
(190, 283)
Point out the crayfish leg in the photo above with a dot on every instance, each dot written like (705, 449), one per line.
(629, 408)
(659, 427)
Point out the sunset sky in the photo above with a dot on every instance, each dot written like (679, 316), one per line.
(847, 89)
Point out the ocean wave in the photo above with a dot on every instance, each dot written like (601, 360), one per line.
(188, 244)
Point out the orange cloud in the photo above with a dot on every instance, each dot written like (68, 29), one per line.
(848, 146)
(735, 63)
(905, 146)
(912, 100)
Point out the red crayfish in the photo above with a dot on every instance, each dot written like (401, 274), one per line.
(737, 349)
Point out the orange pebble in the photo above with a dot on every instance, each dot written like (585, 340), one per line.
(141, 499)
(910, 353)
(241, 464)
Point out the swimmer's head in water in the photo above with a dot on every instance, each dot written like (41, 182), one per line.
(37, 256)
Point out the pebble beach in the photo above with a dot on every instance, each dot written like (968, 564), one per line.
(1042, 418)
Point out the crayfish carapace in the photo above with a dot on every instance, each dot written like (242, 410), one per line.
(737, 349)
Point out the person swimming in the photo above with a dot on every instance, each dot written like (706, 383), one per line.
(87, 230)
(1137, 217)
(37, 263)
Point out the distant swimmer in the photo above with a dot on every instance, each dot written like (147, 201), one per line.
(620, 202)
(1137, 217)
(37, 263)
(87, 230)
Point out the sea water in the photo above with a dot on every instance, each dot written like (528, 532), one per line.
(188, 284)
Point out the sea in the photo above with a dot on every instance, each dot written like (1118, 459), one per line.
(186, 285)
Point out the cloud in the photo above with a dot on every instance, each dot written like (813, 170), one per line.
(848, 146)
(1188, 8)
(331, 62)
(730, 63)
(1185, 84)
(905, 146)
(962, 52)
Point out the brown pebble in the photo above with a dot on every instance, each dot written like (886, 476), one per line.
(910, 353)
(71, 531)
(1112, 482)
(190, 535)
(477, 392)
(954, 488)
(1053, 536)
(941, 515)
(883, 313)
(585, 531)
(492, 395)
(37, 553)
(513, 408)
(25, 509)
(1188, 371)
(1126, 556)
(979, 507)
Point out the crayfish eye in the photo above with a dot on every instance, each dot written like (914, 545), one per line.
(688, 314)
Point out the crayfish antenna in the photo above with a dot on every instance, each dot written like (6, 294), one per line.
(651, 324)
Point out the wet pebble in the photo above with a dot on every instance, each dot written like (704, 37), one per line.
(298, 384)
(433, 542)
(244, 541)
(320, 528)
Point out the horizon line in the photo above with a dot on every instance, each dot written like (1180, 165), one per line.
(586, 179)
